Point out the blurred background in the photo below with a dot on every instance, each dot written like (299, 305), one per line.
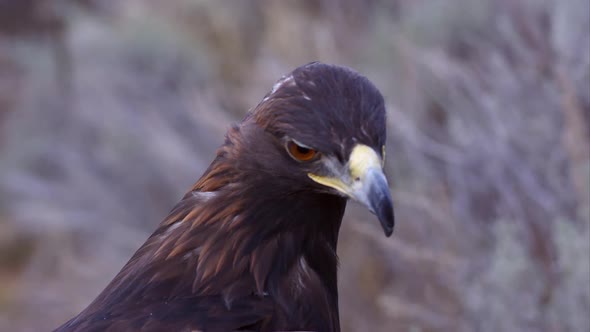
(111, 110)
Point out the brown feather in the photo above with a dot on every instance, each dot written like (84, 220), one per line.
(252, 246)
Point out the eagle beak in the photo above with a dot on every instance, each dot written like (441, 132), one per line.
(373, 192)
(363, 180)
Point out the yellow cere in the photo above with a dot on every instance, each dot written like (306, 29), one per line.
(362, 158)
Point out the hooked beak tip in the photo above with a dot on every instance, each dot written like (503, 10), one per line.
(365, 182)
(374, 193)
(381, 204)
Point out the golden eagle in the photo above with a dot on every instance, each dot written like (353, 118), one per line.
(252, 245)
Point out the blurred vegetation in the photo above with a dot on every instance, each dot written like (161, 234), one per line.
(110, 110)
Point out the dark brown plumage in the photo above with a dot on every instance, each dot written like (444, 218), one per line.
(252, 246)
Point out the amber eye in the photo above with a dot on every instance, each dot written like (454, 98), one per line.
(300, 153)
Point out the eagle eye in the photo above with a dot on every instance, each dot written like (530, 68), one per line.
(300, 152)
